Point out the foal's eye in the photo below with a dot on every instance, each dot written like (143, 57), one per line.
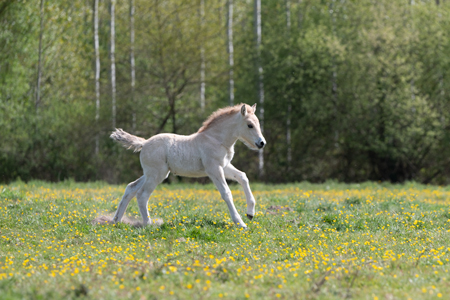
(250, 126)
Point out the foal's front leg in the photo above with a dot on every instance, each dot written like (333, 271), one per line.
(234, 174)
(217, 176)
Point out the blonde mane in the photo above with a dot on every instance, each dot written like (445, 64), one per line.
(221, 114)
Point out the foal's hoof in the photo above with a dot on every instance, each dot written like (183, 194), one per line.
(250, 217)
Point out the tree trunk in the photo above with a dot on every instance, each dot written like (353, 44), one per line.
(300, 15)
(172, 109)
(39, 73)
(412, 83)
(113, 63)
(202, 57)
(260, 79)
(334, 73)
(97, 73)
(230, 50)
(289, 104)
(441, 77)
(133, 68)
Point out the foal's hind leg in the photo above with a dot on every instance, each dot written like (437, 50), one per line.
(153, 178)
(130, 192)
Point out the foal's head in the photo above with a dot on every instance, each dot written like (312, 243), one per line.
(249, 130)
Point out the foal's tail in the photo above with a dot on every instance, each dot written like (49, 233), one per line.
(127, 140)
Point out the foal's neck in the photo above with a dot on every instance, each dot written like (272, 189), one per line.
(224, 131)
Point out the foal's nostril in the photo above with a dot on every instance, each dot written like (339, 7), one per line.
(260, 144)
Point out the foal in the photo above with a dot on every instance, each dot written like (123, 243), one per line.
(207, 152)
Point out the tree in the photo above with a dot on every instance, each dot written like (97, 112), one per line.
(288, 96)
(132, 66)
(202, 57)
(113, 62)
(230, 50)
(260, 78)
(39, 72)
(97, 74)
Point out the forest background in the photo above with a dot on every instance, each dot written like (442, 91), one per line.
(351, 90)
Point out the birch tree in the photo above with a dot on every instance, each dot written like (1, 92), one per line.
(133, 68)
(412, 83)
(260, 79)
(289, 102)
(39, 71)
(230, 49)
(202, 57)
(97, 73)
(300, 14)
(334, 72)
(441, 77)
(113, 63)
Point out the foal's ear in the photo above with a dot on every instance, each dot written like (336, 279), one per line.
(254, 108)
(243, 110)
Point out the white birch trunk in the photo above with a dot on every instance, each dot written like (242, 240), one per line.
(97, 73)
(132, 63)
(300, 15)
(441, 77)
(230, 50)
(334, 74)
(412, 84)
(202, 57)
(113, 63)
(260, 78)
(289, 106)
(39, 73)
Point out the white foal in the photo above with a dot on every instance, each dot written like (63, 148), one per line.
(207, 152)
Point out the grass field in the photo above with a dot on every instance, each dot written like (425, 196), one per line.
(328, 241)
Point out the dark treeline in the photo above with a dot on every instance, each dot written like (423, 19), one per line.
(353, 90)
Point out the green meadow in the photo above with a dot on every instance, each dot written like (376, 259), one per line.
(327, 241)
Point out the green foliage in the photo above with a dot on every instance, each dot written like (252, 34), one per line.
(368, 84)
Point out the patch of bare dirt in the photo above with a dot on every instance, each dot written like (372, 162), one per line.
(108, 220)
(276, 209)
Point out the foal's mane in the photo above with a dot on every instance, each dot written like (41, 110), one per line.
(223, 113)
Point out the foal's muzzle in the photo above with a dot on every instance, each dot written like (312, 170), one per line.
(260, 143)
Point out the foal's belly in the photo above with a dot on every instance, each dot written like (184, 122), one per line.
(183, 160)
